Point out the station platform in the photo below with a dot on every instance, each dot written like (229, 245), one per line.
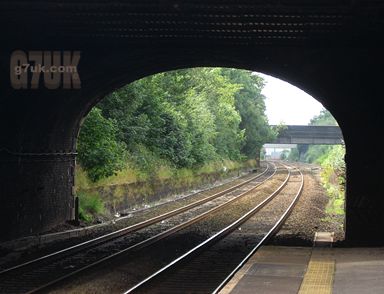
(305, 270)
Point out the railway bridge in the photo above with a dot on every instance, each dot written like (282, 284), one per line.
(332, 49)
(316, 135)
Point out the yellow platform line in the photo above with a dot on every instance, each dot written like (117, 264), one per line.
(319, 277)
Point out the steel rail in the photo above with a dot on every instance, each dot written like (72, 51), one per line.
(269, 235)
(160, 236)
(132, 228)
(222, 233)
(152, 239)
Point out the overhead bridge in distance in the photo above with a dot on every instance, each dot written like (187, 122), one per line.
(316, 135)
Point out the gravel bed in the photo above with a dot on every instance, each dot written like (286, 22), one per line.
(214, 264)
(128, 270)
(12, 257)
(309, 215)
(307, 218)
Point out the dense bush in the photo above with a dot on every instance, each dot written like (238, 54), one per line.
(182, 118)
(90, 205)
(331, 159)
(100, 153)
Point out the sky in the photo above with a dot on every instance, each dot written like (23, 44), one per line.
(287, 103)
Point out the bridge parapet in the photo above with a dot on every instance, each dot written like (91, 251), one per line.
(317, 135)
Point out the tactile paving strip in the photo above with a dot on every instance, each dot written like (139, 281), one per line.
(319, 277)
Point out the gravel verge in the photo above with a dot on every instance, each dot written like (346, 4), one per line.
(309, 216)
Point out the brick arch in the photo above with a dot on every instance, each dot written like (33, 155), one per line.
(39, 128)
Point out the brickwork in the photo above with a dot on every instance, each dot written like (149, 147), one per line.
(345, 77)
(40, 197)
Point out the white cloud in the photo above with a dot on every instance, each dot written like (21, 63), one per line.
(287, 103)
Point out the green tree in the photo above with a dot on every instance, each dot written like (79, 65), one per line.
(185, 118)
(294, 155)
(220, 94)
(99, 151)
(284, 154)
(251, 105)
(325, 118)
(317, 153)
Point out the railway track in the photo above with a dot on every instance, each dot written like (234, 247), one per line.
(136, 264)
(129, 218)
(47, 270)
(207, 267)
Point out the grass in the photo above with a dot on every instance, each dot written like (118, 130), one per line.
(112, 191)
(335, 206)
(335, 209)
(90, 206)
(336, 195)
(161, 172)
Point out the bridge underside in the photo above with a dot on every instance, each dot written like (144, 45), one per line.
(312, 135)
(330, 49)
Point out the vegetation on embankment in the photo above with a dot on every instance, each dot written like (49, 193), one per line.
(177, 129)
(90, 207)
(333, 177)
(331, 160)
(118, 195)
